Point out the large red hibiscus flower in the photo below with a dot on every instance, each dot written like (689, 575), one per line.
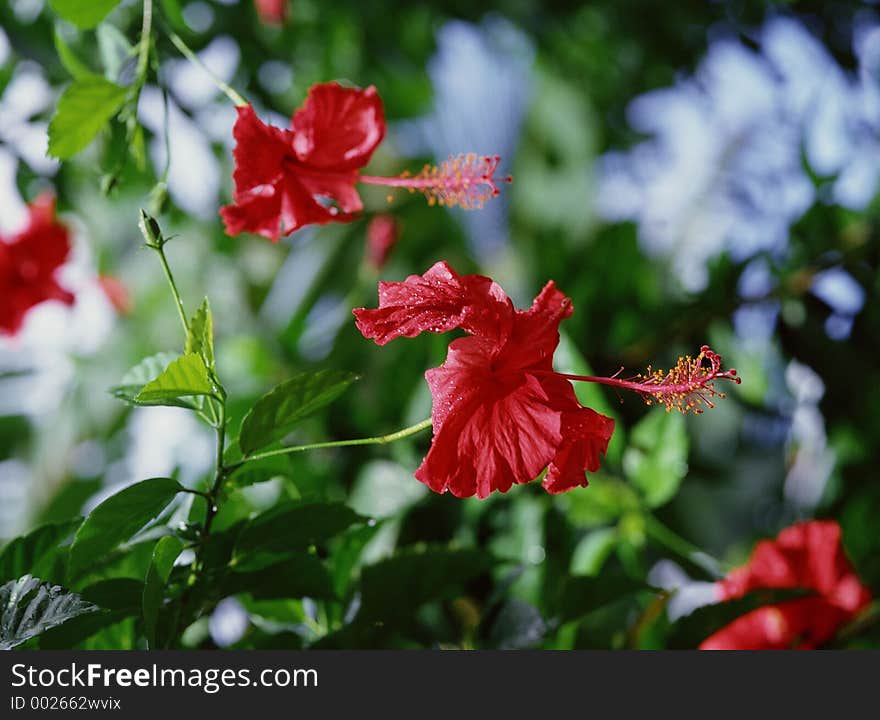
(501, 414)
(806, 556)
(29, 262)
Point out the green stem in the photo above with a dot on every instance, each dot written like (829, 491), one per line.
(144, 45)
(180, 311)
(377, 440)
(176, 40)
(221, 470)
(687, 550)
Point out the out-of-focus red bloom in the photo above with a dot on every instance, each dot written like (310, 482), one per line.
(807, 556)
(29, 261)
(500, 413)
(272, 12)
(382, 233)
(285, 179)
(116, 293)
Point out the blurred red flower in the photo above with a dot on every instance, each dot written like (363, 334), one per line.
(29, 261)
(807, 556)
(116, 293)
(285, 179)
(382, 233)
(500, 413)
(272, 12)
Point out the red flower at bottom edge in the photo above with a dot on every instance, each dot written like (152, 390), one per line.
(28, 264)
(500, 414)
(807, 556)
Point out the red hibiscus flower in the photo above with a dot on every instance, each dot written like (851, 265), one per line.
(285, 179)
(272, 12)
(29, 261)
(806, 556)
(500, 414)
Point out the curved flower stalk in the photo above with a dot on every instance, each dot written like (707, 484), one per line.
(501, 414)
(288, 178)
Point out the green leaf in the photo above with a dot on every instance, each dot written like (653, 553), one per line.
(298, 575)
(391, 590)
(115, 50)
(164, 555)
(200, 338)
(289, 527)
(84, 14)
(259, 471)
(37, 553)
(584, 595)
(117, 519)
(656, 459)
(172, 12)
(84, 109)
(184, 377)
(116, 599)
(275, 414)
(591, 552)
(76, 67)
(29, 606)
(143, 373)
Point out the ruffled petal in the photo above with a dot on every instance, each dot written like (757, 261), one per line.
(338, 128)
(489, 436)
(259, 152)
(804, 623)
(806, 555)
(586, 435)
(438, 301)
(535, 332)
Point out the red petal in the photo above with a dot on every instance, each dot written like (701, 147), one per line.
(29, 263)
(438, 301)
(586, 435)
(259, 152)
(487, 434)
(338, 128)
(804, 623)
(807, 555)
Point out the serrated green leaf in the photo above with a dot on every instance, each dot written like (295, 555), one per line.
(29, 606)
(275, 414)
(185, 376)
(116, 599)
(143, 373)
(165, 553)
(656, 459)
(76, 67)
(200, 338)
(118, 519)
(286, 528)
(84, 14)
(84, 109)
(37, 553)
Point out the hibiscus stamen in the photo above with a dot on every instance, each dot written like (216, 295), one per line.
(467, 181)
(687, 387)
